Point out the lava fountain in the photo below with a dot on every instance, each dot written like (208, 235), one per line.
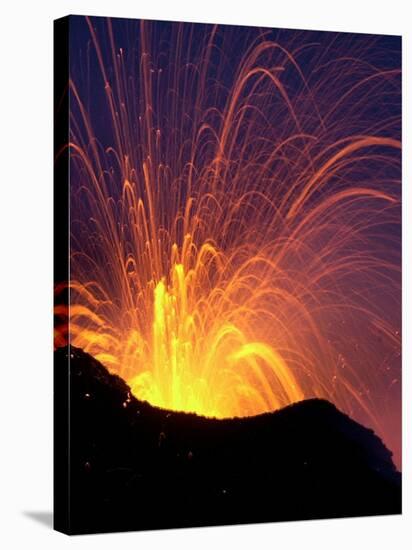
(235, 216)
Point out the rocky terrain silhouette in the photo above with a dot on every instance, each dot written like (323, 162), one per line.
(122, 464)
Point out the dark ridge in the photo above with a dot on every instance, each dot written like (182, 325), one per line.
(134, 466)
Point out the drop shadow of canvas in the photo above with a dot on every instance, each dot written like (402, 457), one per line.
(45, 518)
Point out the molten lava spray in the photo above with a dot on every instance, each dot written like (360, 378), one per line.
(235, 215)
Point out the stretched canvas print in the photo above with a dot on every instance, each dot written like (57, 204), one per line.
(227, 274)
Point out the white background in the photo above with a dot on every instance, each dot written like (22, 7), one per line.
(26, 270)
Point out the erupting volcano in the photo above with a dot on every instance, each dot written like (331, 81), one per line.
(235, 217)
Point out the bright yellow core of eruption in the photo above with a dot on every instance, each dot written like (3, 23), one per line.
(208, 367)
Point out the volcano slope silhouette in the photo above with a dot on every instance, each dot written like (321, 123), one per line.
(121, 464)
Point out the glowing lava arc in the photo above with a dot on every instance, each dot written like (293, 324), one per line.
(235, 217)
(183, 372)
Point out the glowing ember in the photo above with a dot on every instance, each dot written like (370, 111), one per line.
(235, 222)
